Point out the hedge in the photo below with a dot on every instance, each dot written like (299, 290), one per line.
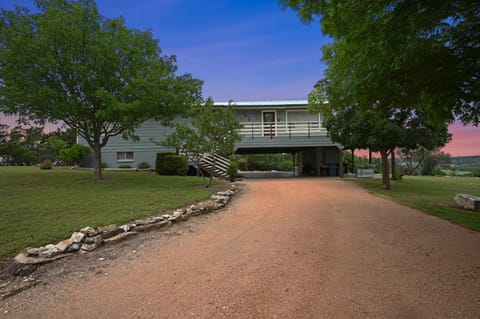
(171, 164)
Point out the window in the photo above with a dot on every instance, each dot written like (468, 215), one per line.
(125, 156)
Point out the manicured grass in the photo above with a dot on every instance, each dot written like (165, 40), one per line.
(42, 206)
(432, 195)
(450, 172)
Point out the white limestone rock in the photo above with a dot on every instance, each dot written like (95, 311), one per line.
(127, 227)
(23, 259)
(48, 251)
(109, 231)
(148, 227)
(120, 237)
(63, 245)
(177, 213)
(73, 248)
(220, 198)
(89, 247)
(154, 219)
(226, 193)
(140, 222)
(467, 201)
(94, 240)
(32, 252)
(77, 237)
(89, 231)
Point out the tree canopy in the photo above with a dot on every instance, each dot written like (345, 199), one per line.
(397, 71)
(402, 53)
(66, 62)
(31, 145)
(381, 130)
(207, 130)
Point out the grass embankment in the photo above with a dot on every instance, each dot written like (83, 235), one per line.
(42, 206)
(432, 195)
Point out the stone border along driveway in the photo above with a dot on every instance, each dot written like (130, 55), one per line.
(89, 238)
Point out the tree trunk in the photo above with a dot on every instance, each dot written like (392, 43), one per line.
(385, 170)
(369, 156)
(394, 166)
(97, 153)
(214, 166)
(353, 161)
(340, 165)
(200, 172)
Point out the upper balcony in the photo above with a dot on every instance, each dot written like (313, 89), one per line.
(282, 129)
(282, 136)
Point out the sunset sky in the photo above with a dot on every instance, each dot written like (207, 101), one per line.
(242, 50)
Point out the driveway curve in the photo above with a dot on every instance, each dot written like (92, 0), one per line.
(284, 248)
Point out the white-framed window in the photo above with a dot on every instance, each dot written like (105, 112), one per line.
(303, 120)
(124, 156)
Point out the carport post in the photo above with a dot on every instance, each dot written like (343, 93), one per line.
(299, 163)
(293, 162)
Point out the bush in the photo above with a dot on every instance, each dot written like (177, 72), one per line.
(46, 164)
(438, 172)
(400, 171)
(232, 170)
(171, 164)
(476, 172)
(124, 166)
(72, 155)
(143, 165)
(242, 163)
(285, 166)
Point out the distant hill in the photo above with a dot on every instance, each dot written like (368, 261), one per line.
(466, 160)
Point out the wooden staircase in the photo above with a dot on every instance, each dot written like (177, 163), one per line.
(215, 164)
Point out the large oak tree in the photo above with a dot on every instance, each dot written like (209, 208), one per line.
(66, 62)
(402, 53)
(379, 129)
(398, 64)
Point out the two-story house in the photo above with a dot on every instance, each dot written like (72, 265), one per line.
(268, 127)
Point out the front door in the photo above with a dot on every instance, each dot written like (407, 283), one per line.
(269, 123)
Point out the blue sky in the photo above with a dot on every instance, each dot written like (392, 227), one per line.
(242, 50)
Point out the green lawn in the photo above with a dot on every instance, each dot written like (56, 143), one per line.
(42, 206)
(432, 195)
(450, 172)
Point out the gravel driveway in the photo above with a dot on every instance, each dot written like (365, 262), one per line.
(284, 248)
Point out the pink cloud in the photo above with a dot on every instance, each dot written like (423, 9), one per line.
(465, 140)
(11, 122)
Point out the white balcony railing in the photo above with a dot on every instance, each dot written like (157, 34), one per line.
(283, 129)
